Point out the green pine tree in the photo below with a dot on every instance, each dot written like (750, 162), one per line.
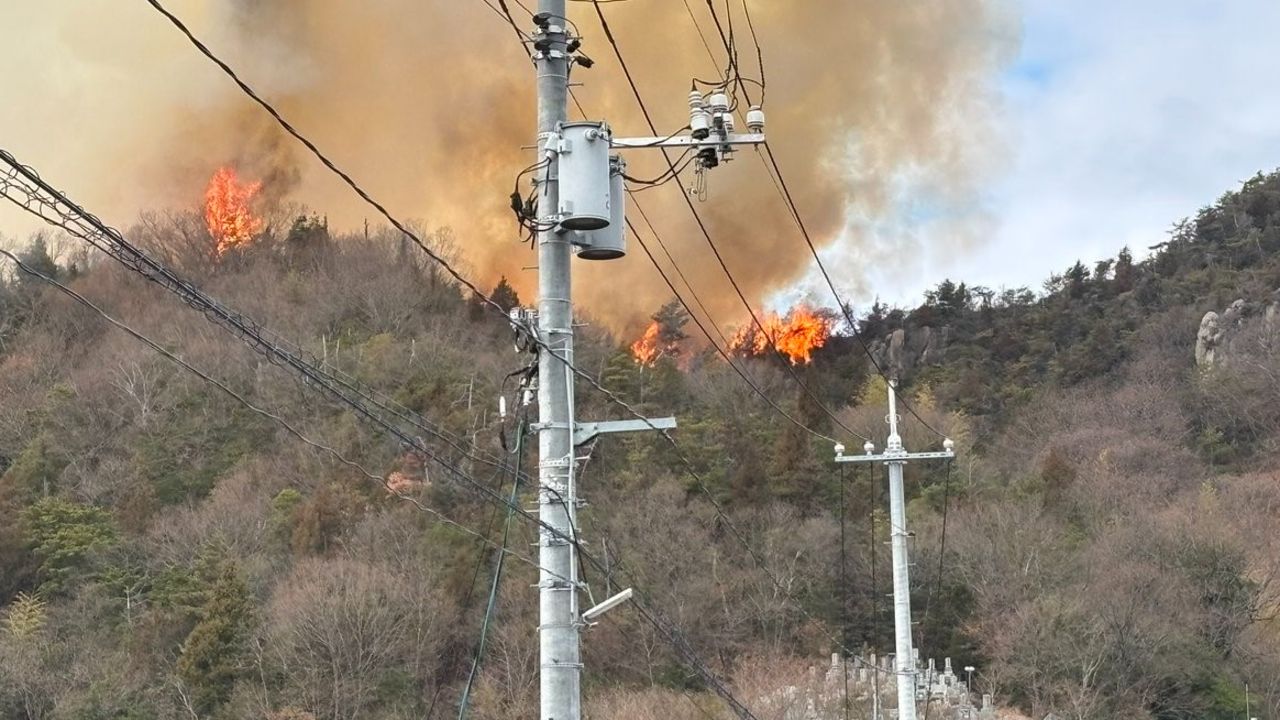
(213, 655)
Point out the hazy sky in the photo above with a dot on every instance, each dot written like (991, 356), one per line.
(1117, 118)
(1122, 117)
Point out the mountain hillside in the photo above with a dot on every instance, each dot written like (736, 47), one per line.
(233, 544)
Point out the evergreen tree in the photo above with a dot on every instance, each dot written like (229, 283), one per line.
(36, 257)
(1124, 276)
(671, 319)
(505, 295)
(63, 536)
(213, 655)
(1075, 278)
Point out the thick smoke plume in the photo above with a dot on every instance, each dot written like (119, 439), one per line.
(428, 102)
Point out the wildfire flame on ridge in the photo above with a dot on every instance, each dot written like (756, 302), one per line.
(227, 214)
(648, 348)
(797, 335)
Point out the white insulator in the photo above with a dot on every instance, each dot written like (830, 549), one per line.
(696, 101)
(870, 448)
(755, 119)
(719, 102)
(728, 124)
(699, 123)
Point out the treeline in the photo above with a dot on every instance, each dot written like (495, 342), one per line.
(167, 551)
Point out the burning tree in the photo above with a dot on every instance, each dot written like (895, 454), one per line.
(663, 336)
(227, 211)
(796, 335)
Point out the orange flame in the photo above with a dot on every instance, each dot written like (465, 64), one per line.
(648, 348)
(797, 335)
(227, 214)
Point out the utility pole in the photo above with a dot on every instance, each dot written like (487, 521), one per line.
(895, 457)
(580, 209)
(558, 623)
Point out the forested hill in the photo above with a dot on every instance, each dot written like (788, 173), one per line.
(169, 547)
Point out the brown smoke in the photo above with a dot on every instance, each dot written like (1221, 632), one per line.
(428, 102)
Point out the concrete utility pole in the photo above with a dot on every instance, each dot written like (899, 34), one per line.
(895, 456)
(580, 194)
(558, 623)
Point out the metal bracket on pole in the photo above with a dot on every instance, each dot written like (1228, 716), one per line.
(586, 432)
(896, 457)
(688, 141)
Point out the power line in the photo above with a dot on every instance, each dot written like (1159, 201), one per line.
(789, 201)
(23, 186)
(746, 11)
(708, 676)
(505, 14)
(781, 185)
(706, 313)
(669, 633)
(937, 578)
(497, 579)
(109, 240)
(290, 428)
(604, 23)
(716, 345)
(717, 506)
(397, 224)
(844, 308)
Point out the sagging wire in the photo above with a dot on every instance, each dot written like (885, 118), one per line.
(667, 175)
(937, 578)
(499, 561)
(247, 404)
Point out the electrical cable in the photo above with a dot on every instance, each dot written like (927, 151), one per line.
(497, 578)
(504, 13)
(613, 397)
(42, 200)
(117, 247)
(400, 226)
(235, 323)
(666, 175)
(703, 38)
(844, 308)
(286, 425)
(937, 577)
(721, 515)
(724, 354)
(781, 185)
(604, 24)
(844, 596)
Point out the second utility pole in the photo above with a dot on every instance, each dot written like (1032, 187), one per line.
(895, 456)
(558, 629)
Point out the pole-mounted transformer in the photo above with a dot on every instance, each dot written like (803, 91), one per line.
(582, 153)
(610, 242)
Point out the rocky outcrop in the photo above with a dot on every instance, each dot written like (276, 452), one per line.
(1219, 334)
(903, 351)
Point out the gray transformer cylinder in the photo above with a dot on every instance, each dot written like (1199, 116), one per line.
(583, 169)
(610, 243)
